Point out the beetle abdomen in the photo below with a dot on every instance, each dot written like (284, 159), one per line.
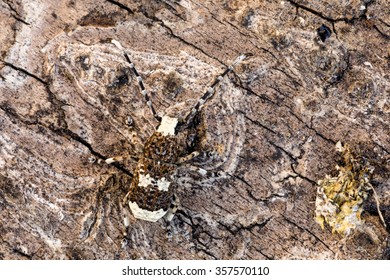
(151, 189)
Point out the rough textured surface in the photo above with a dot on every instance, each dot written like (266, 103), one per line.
(66, 95)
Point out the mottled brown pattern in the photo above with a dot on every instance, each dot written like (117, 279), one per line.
(162, 148)
(159, 159)
(151, 198)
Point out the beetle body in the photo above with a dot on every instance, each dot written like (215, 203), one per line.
(152, 192)
(151, 195)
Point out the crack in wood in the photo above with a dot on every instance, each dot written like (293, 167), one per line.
(18, 18)
(13, 115)
(235, 229)
(330, 19)
(24, 71)
(258, 123)
(302, 176)
(122, 6)
(308, 231)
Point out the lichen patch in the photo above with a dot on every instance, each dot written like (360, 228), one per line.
(339, 199)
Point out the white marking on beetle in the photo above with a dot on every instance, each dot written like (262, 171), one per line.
(167, 126)
(169, 215)
(143, 214)
(110, 160)
(146, 180)
(126, 221)
(163, 184)
(202, 171)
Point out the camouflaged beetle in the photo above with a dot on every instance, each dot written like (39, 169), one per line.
(152, 192)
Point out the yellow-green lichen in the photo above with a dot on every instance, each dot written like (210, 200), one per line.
(339, 199)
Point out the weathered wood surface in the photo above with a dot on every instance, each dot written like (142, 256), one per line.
(66, 93)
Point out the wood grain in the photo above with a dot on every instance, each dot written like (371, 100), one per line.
(66, 94)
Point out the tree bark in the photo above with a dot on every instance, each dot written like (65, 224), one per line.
(67, 96)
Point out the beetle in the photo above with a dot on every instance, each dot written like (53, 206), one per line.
(151, 195)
